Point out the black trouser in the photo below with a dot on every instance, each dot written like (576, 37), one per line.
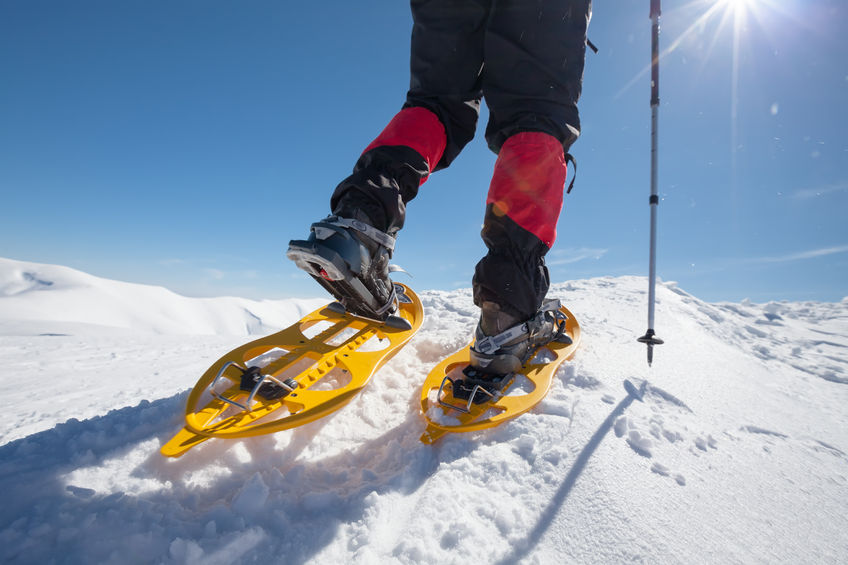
(526, 58)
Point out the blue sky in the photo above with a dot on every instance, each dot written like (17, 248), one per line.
(183, 143)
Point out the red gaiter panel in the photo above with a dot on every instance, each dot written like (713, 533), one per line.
(417, 128)
(527, 185)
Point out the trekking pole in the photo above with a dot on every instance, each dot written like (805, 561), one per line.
(650, 338)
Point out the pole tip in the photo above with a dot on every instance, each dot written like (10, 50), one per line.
(650, 339)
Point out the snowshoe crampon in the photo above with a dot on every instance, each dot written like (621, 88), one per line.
(295, 376)
(478, 404)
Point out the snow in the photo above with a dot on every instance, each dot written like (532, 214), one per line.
(736, 452)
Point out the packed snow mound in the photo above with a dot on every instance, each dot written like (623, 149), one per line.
(731, 450)
(50, 299)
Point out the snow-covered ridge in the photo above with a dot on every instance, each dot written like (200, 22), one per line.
(737, 452)
(38, 298)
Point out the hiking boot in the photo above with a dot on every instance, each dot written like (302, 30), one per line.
(350, 258)
(503, 344)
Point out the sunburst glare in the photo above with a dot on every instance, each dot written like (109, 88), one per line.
(715, 23)
(723, 15)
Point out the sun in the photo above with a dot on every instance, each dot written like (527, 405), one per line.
(729, 21)
(740, 9)
(738, 4)
(742, 5)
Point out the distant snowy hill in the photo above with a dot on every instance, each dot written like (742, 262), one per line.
(48, 298)
(738, 452)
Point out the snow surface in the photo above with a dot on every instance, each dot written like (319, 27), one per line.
(737, 452)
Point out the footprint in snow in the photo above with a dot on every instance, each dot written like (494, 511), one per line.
(624, 426)
(664, 471)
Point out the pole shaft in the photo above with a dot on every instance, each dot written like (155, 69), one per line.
(654, 200)
(650, 338)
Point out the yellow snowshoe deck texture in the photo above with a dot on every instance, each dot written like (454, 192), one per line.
(330, 355)
(536, 375)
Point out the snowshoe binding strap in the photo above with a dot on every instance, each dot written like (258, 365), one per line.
(266, 386)
(531, 328)
(252, 379)
(471, 389)
(322, 231)
(508, 351)
(475, 387)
